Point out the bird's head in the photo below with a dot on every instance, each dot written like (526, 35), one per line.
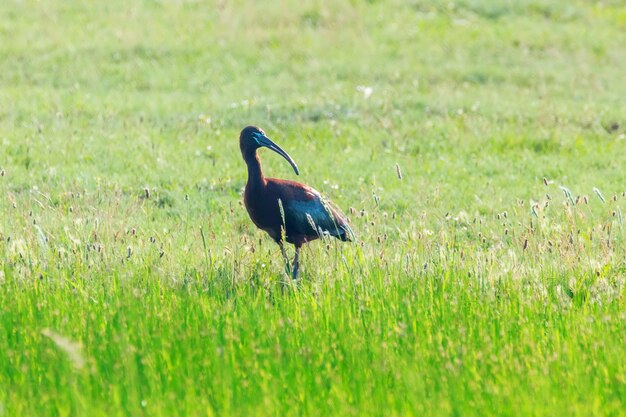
(253, 138)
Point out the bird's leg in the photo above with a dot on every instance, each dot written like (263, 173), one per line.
(296, 263)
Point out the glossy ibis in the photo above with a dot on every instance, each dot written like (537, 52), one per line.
(286, 210)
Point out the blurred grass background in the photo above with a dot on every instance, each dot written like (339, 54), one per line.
(478, 285)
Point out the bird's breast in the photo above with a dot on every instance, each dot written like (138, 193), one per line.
(263, 210)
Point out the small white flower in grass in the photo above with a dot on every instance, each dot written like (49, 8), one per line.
(367, 91)
(206, 119)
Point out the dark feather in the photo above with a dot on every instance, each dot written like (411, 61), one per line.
(307, 213)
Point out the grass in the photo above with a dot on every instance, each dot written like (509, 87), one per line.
(478, 285)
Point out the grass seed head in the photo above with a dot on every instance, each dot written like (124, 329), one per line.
(398, 172)
(599, 194)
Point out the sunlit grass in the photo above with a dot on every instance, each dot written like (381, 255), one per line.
(477, 147)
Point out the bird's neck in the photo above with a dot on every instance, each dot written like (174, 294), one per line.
(255, 174)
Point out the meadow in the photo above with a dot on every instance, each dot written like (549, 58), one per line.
(478, 147)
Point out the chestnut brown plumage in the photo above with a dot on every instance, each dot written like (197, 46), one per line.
(286, 210)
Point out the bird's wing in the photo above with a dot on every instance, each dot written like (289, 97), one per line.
(307, 212)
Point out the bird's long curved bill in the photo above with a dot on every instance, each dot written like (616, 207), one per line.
(265, 141)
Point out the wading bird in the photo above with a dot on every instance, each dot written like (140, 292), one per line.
(286, 210)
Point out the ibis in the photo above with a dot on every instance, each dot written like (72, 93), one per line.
(287, 210)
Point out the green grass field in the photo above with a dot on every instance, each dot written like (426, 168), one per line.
(132, 281)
